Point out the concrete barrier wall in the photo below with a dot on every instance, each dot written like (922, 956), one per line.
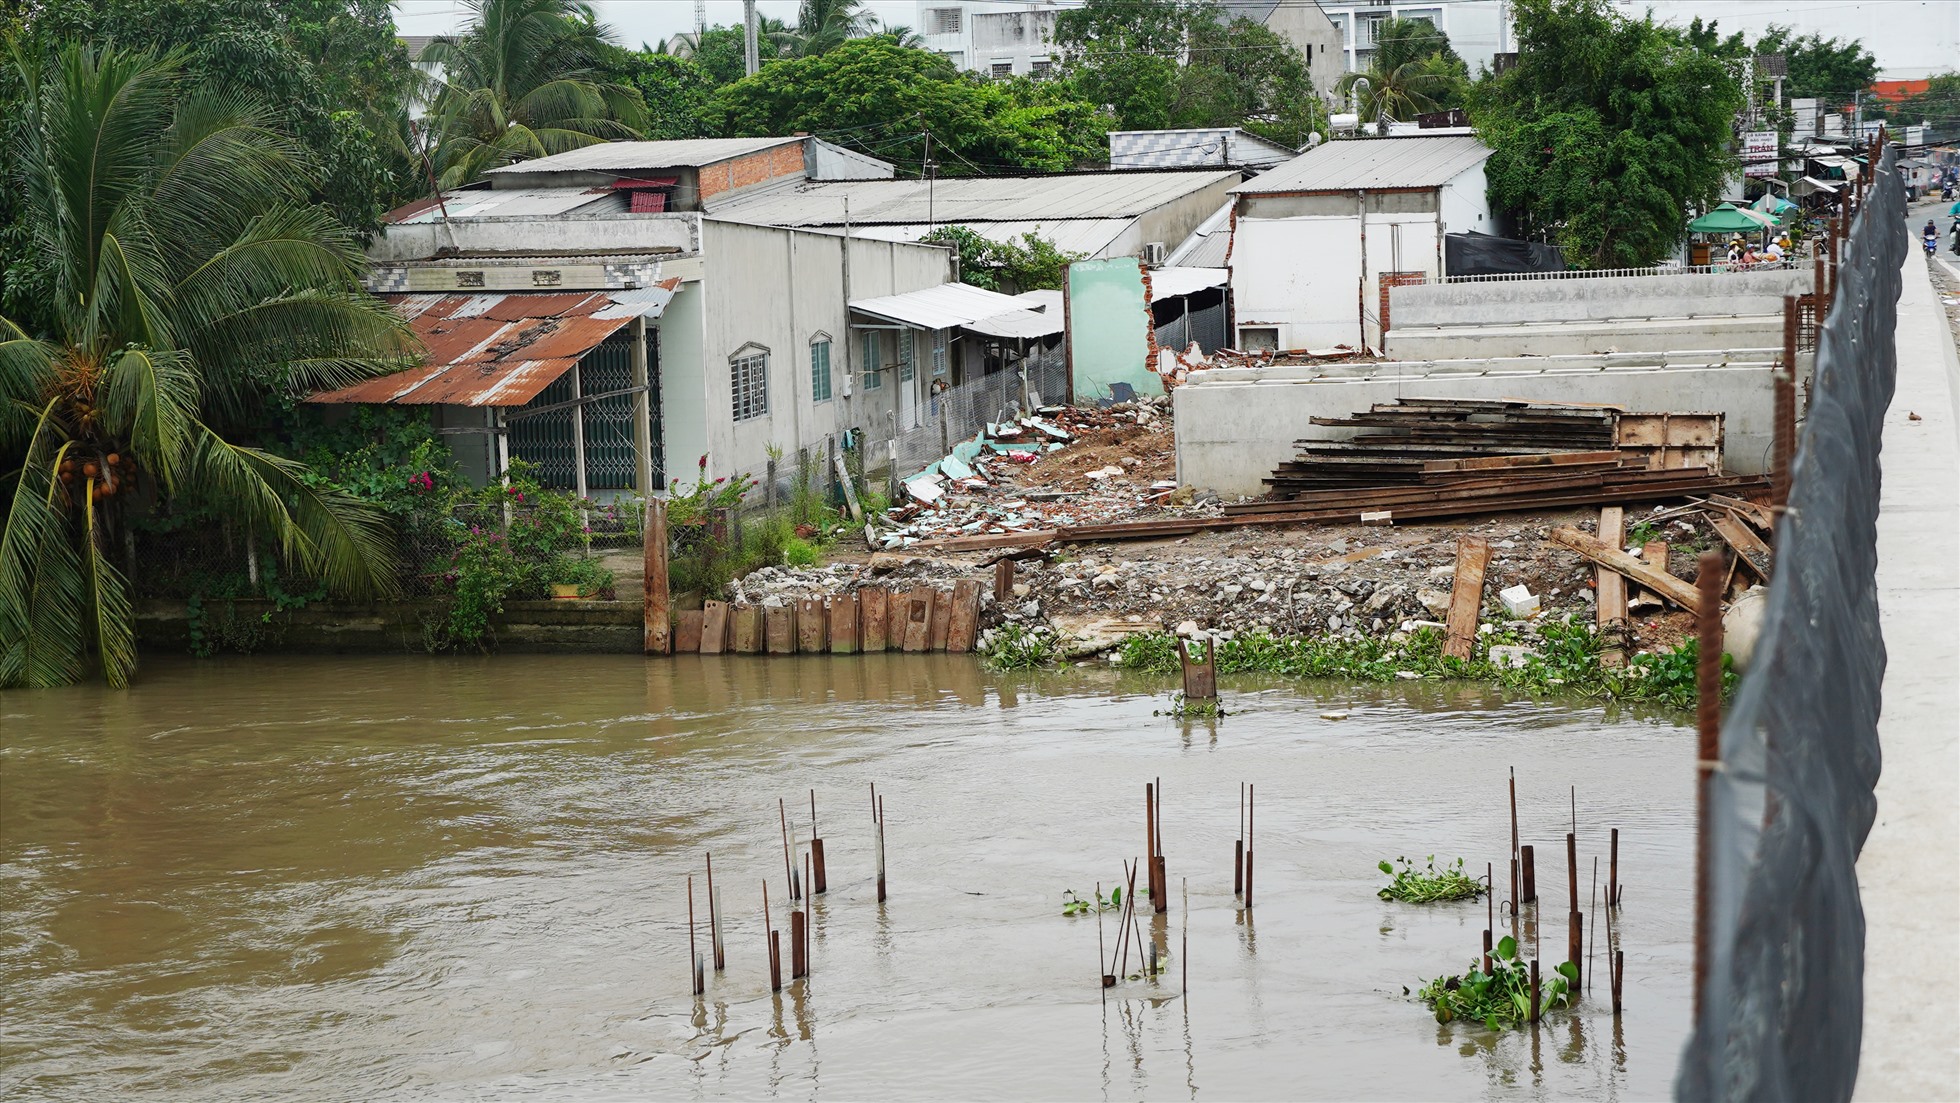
(1517, 302)
(1580, 338)
(398, 627)
(1234, 425)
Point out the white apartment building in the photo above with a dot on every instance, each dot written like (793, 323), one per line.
(1477, 29)
(988, 36)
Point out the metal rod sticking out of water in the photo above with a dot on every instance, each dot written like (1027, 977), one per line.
(695, 972)
(1238, 849)
(1251, 804)
(789, 868)
(1592, 938)
(714, 917)
(819, 878)
(773, 944)
(1102, 954)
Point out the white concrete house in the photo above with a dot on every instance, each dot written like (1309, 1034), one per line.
(1314, 239)
(586, 313)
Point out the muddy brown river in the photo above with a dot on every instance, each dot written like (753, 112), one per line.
(415, 878)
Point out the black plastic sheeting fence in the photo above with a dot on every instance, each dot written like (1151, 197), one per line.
(1782, 1004)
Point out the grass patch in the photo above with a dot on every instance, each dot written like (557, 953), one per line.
(1567, 661)
(1429, 885)
(1502, 997)
(1184, 708)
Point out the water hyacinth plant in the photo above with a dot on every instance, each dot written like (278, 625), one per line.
(1502, 997)
(1428, 885)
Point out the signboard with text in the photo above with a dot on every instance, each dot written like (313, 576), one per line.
(1759, 153)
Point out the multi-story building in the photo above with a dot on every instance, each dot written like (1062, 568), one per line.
(1477, 29)
(999, 39)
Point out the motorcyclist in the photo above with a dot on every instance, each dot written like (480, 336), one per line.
(1932, 238)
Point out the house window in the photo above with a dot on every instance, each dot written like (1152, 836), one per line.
(1042, 67)
(749, 382)
(872, 379)
(938, 353)
(905, 356)
(944, 20)
(1001, 70)
(820, 370)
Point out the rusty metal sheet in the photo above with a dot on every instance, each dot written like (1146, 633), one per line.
(496, 349)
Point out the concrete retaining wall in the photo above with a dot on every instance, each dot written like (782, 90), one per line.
(1517, 302)
(393, 627)
(1462, 342)
(1234, 425)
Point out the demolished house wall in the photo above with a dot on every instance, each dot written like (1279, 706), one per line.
(1109, 329)
(1235, 425)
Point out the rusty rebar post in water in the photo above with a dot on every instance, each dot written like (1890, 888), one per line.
(1516, 856)
(1575, 943)
(789, 867)
(1534, 989)
(1527, 873)
(1160, 891)
(1238, 848)
(819, 881)
(1184, 950)
(1708, 735)
(1619, 978)
(696, 976)
(1592, 937)
(1251, 806)
(1490, 911)
(1613, 871)
(773, 944)
(1150, 839)
(809, 924)
(714, 917)
(1102, 953)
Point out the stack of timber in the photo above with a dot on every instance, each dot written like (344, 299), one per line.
(1426, 458)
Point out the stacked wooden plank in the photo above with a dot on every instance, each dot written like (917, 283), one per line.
(1418, 458)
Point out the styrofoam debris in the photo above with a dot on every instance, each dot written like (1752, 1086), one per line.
(1519, 601)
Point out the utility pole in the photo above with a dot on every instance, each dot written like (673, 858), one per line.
(751, 55)
(700, 20)
(926, 170)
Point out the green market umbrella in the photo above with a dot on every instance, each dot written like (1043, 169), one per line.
(1727, 219)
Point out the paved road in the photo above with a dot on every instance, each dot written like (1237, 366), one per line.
(1911, 1047)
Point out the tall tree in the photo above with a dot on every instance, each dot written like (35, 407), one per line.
(825, 24)
(1605, 131)
(190, 278)
(525, 80)
(1412, 70)
(1826, 68)
(1158, 64)
(883, 98)
(675, 90)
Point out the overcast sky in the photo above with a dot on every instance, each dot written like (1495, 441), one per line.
(1911, 38)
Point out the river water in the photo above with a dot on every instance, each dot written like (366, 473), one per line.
(375, 878)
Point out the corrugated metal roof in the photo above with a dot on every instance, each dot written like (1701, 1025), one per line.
(970, 199)
(1168, 282)
(1355, 163)
(681, 153)
(942, 307)
(1218, 145)
(1088, 236)
(499, 203)
(500, 348)
(1208, 244)
(1039, 321)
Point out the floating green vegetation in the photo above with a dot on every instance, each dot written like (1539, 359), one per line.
(1502, 997)
(1429, 885)
(1018, 647)
(1186, 708)
(1563, 658)
(1076, 905)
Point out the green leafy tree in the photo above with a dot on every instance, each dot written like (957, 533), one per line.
(1413, 70)
(1027, 263)
(1938, 105)
(826, 24)
(1606, 131)
(1159, 64)
(525, 80)
(1826, 68)
(719, 49)
(189, 278)
(331, 73)
(883, 98)
(675, 90)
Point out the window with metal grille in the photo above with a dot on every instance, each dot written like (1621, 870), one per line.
(938, 353)
(1001, 70)
(872, 379)
(945, 20)
(1042, 67)
(749, 381)
(820, 370)
(905, 356)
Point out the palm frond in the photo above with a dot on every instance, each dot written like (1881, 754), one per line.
(152, 395)
(111, 620)
(320, 531)
(41, 586)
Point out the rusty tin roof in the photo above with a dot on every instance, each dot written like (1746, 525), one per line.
(500, 348)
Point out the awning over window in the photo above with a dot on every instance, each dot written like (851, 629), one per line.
(942, 307)
(501, 348)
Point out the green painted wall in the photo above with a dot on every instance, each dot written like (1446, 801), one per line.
(1109, 329)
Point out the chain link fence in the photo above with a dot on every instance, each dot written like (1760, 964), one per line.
(1782, 1000)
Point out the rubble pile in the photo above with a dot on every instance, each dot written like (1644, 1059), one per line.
(1066, 466)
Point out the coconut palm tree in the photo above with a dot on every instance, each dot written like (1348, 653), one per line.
(190, 280)
(824, 24)
(525, 80)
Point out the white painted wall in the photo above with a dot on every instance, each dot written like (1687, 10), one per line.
(683, 422)
(1235, 425)
(1300, 275)
(1466, 203)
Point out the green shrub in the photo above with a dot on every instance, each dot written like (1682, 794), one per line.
(798, 552)
(1018, 647)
